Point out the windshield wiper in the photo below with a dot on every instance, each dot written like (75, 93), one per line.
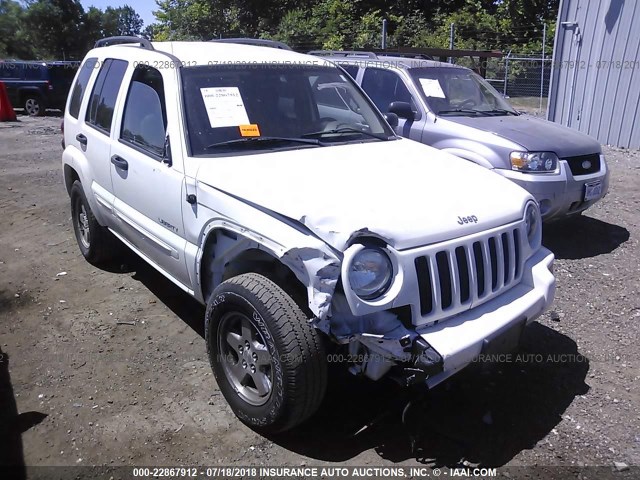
(322, 133)
(464, 111)
(501, 110)
(266, 141)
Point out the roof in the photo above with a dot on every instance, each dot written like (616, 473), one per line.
(221, 53)
(388, 61)
(213, 53)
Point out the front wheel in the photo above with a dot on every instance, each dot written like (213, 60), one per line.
(267, 358)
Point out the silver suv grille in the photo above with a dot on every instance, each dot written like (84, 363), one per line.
(454, 278)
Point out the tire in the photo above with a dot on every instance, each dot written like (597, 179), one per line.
(96, 243)
(34, 106)
(284, 378)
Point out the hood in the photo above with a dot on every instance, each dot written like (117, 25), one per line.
(534, 134)
(407, 193)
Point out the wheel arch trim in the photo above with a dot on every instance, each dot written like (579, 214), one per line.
(315, 268)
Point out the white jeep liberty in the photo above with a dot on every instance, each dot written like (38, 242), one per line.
(228, 168)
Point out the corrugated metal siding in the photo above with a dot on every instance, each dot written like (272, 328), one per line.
(595, 83)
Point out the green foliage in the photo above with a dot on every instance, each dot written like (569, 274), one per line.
(188, 19)
(12, 33)
(63, 29)
(121, 21)
(479, 24)
(151, 32)
(59, 29)
(54, 27)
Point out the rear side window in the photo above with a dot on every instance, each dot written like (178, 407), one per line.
(352, 70)
(35, 71)
(10, 70)
(81, 85)
(105, 93)
(144, 122)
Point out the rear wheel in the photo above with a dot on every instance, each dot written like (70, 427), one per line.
(34, 106)
(267, 358)
(96, 243)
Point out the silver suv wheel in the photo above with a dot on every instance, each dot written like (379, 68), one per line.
(245, 358)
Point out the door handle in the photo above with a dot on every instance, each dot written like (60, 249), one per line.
(120, 162)
(82, 139)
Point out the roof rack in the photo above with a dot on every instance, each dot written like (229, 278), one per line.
(105, 42)
(260, 42)
(417, 56)
(343, 53)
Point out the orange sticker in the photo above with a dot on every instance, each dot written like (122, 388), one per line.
(249, 130)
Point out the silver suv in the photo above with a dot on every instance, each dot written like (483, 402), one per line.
(452, 108)
(226, 168)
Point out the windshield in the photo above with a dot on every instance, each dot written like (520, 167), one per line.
(458, 91)
(255, 107)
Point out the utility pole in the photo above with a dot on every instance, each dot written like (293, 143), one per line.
(452, 30)
(384, 34)
(544, 44)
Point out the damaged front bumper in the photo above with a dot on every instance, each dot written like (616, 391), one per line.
(431, 354)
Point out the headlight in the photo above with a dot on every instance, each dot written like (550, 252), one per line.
(370, 273)
(534, 162)
(532, 224)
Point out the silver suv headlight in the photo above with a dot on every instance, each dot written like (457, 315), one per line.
(370, 273)
(533, 224)
(534, 162)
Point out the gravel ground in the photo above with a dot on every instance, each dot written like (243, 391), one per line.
(109, 367)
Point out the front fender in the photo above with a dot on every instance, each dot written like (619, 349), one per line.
(471, 156)
(313, 262)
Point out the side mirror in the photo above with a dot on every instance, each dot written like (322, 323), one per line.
(392, 119)
(402, 110)
(166, 152)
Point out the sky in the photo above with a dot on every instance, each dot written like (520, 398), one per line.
(142, 7)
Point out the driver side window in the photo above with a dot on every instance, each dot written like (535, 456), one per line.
(144, 123)
(385, 87)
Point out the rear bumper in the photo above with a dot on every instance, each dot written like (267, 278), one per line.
(562, 194)
(460, 340)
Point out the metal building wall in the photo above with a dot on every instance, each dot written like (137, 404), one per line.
(595, 82)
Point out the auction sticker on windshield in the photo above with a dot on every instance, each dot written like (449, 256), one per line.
(225, 107)
(432, 88)
(249, 130)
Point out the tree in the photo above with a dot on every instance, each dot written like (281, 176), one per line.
(151, 32)
(306, 24)
(13, 42)
(121, 21)
(59, 29)
(189, 19)
(54, 27)
(92, 28)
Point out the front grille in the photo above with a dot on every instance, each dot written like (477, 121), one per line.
(577, 164)
(460, 275)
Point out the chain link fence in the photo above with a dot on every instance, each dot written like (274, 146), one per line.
(524, 79)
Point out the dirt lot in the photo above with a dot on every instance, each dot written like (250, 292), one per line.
(109, 367)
